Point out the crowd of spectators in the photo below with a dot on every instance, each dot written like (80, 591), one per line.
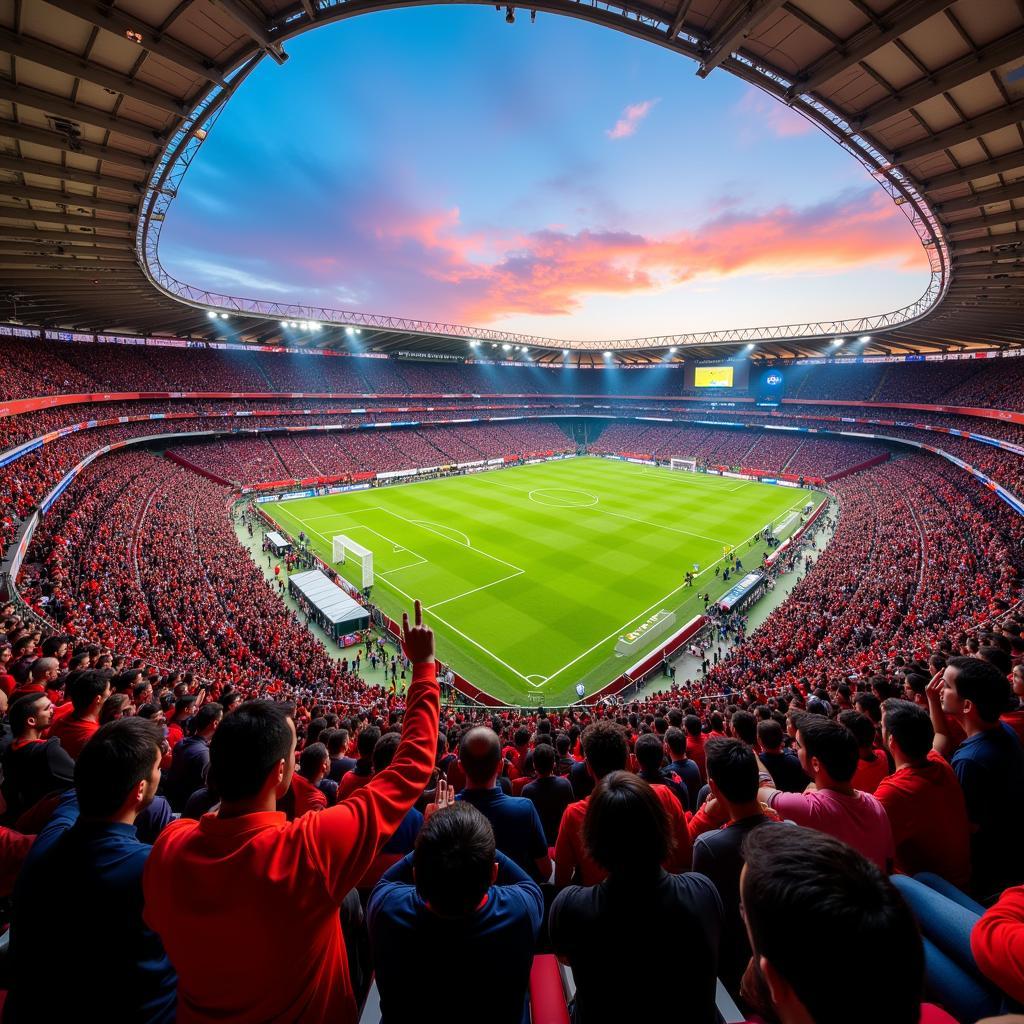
(182, 832)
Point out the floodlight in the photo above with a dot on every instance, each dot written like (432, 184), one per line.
(864, 339)
(672, 349)
(223, 316)
(608, 355)
(750, 347)
(506, 348)
(838, 341)
(212, 315)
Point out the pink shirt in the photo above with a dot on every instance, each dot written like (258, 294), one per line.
(858, 820)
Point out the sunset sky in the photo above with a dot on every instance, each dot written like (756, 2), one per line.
(555, 179)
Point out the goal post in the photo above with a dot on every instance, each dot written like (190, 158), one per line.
(343, 548)
(686, 465)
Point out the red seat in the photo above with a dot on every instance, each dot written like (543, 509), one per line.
(547, 996)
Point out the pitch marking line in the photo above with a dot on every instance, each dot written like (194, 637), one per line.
(475, 590)
(468, 639)
(479, 551)
(662, 600)
(426, 524)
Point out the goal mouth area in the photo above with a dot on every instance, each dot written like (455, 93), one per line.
(686, 465)
(343, 547)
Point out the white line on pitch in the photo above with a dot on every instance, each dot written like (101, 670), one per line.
(661, 600)
(469, 639)
(479, 551)
(475, 590)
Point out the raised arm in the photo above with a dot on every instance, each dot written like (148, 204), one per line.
(343, 840)
(943, 741)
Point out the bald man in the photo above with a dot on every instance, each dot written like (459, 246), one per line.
(518, 831)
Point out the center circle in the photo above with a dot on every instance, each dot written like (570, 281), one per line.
(552, 497)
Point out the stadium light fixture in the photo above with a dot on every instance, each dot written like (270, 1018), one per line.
(750, 347)
(672, 349)
(838, 341)
(211, 315)
(223, 316)
(608, 354)
(864, 339)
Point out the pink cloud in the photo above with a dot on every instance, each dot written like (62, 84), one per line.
(630, 120)
(551, 272)
(763, 114)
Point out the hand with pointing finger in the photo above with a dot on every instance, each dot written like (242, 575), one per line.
(417, 640)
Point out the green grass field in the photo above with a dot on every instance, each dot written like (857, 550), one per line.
(530, 575)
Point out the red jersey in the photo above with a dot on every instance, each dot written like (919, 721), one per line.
(1015, 720)
(695, 751)
(259, 937)
(928, 815)
(572, 858)
(74, 733)
(997, 942)
(870, 773)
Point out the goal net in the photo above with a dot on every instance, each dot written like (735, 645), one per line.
(343, 548)
(688, 465)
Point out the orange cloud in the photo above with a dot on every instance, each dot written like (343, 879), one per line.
(630, 120)
(484, 276)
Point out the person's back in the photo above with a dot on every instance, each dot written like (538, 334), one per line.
(990, 769)
(785, 769)
(828, 753)
(672, 922)
(246, 902)
(484, 923)
(550, 794)
(517, 826)
(81, 887)
(923, 800)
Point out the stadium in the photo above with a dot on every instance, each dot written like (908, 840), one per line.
(512, 514)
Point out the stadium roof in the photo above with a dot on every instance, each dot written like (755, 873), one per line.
(103, 105)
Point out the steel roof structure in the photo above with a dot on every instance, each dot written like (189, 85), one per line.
(104, 104)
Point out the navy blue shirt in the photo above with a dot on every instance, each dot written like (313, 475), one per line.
(689, 772)
(990, 767)
(80, 895)
(187, 773)
(551, 795)
(492, 948)
(518, 831)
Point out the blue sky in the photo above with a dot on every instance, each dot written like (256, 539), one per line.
(554, 178)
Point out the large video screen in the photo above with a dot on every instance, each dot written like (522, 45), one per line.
(713, 376)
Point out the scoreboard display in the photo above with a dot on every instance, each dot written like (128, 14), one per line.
(713, 376)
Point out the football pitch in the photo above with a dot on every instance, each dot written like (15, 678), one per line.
(530, 575)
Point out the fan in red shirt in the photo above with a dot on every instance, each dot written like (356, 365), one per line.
(997, 942)
(258, 936)
(872, 764)
(88, 690)
(605, 750)
(922, 798)
(695, 744)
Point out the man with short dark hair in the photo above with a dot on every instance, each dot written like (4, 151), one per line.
(922, 798)
(605, 750)
(989, 765)
(87, 690)
(517, 826)
(828, 754)
(549, 793)
(798, 883)
(84, 878)
(649, 751)
(360, 774)
(732, 776)
(337, 744)
(456, 893)
(783, 766)
(681, 763)
(34, 768)
(191, 757)
(258, 884)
